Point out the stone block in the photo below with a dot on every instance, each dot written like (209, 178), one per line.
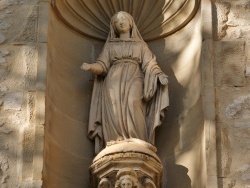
(230, 62)
(30, 59)
(13, 101)
(222, 10)
(231, 104)
(239, 108)
(28, 31)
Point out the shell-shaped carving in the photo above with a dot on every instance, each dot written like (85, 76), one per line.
(154, 18)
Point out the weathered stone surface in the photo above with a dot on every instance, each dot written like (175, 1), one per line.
(4, 53)
(3, 74)
(221, 11)
(2, 38)
(5, 178)
(5, 130)
(18, 21)
(230, 63)
(245, 176)
(13, 101)
(4, 164)
(2, 121)
(5, 25)
(247, 47)
(29, 29)
(243, 168)
(240, 108)
(2, 60)
(3, 88)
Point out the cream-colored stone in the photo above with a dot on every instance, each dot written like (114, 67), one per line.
(247, 48)
(178, 55)
(230, 61)
(2, 60)
(28, 32)
(41, 67)
(222, 10)
(239, 108)
(2, 38)
(13, 101)
(117, 91)
(130, 162)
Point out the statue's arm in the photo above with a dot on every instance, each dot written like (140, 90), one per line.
(149, 62)
(95, 68)
(101, 65)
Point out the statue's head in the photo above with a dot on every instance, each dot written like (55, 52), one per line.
(122, 22)
(126, 178)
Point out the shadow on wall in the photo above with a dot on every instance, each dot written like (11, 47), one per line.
(179, 139)
(180, 173)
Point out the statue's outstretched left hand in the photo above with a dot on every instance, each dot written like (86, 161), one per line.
(163, 78)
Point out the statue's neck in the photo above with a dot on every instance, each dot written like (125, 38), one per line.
(125, 35)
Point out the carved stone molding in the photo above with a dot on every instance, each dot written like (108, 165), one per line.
(155, 19)
(133, 159)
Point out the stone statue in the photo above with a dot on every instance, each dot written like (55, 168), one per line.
(130, 90)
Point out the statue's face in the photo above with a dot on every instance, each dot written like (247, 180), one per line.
(126, 183)
(122, 23)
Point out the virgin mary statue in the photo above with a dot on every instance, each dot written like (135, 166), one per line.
(130, 90)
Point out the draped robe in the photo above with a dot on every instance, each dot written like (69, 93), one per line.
(128, 100)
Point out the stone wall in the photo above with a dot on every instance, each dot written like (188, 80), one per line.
(22, 84)
(228, 51)
(226, 96)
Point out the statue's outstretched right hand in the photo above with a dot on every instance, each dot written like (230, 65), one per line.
(163, 79)
(85, 66)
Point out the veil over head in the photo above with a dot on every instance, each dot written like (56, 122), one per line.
(135, 34)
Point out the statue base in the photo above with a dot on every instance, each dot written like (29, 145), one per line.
(130, 161)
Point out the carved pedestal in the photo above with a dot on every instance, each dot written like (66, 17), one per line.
(129, 163)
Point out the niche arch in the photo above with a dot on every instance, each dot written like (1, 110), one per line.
(77, 31)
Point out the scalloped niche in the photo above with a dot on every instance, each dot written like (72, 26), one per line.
(77, 31)
(154, 19)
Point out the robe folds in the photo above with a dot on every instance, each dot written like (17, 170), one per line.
(128, 100)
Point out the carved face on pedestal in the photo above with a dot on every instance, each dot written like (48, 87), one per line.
(126, 183)
(122, 23)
